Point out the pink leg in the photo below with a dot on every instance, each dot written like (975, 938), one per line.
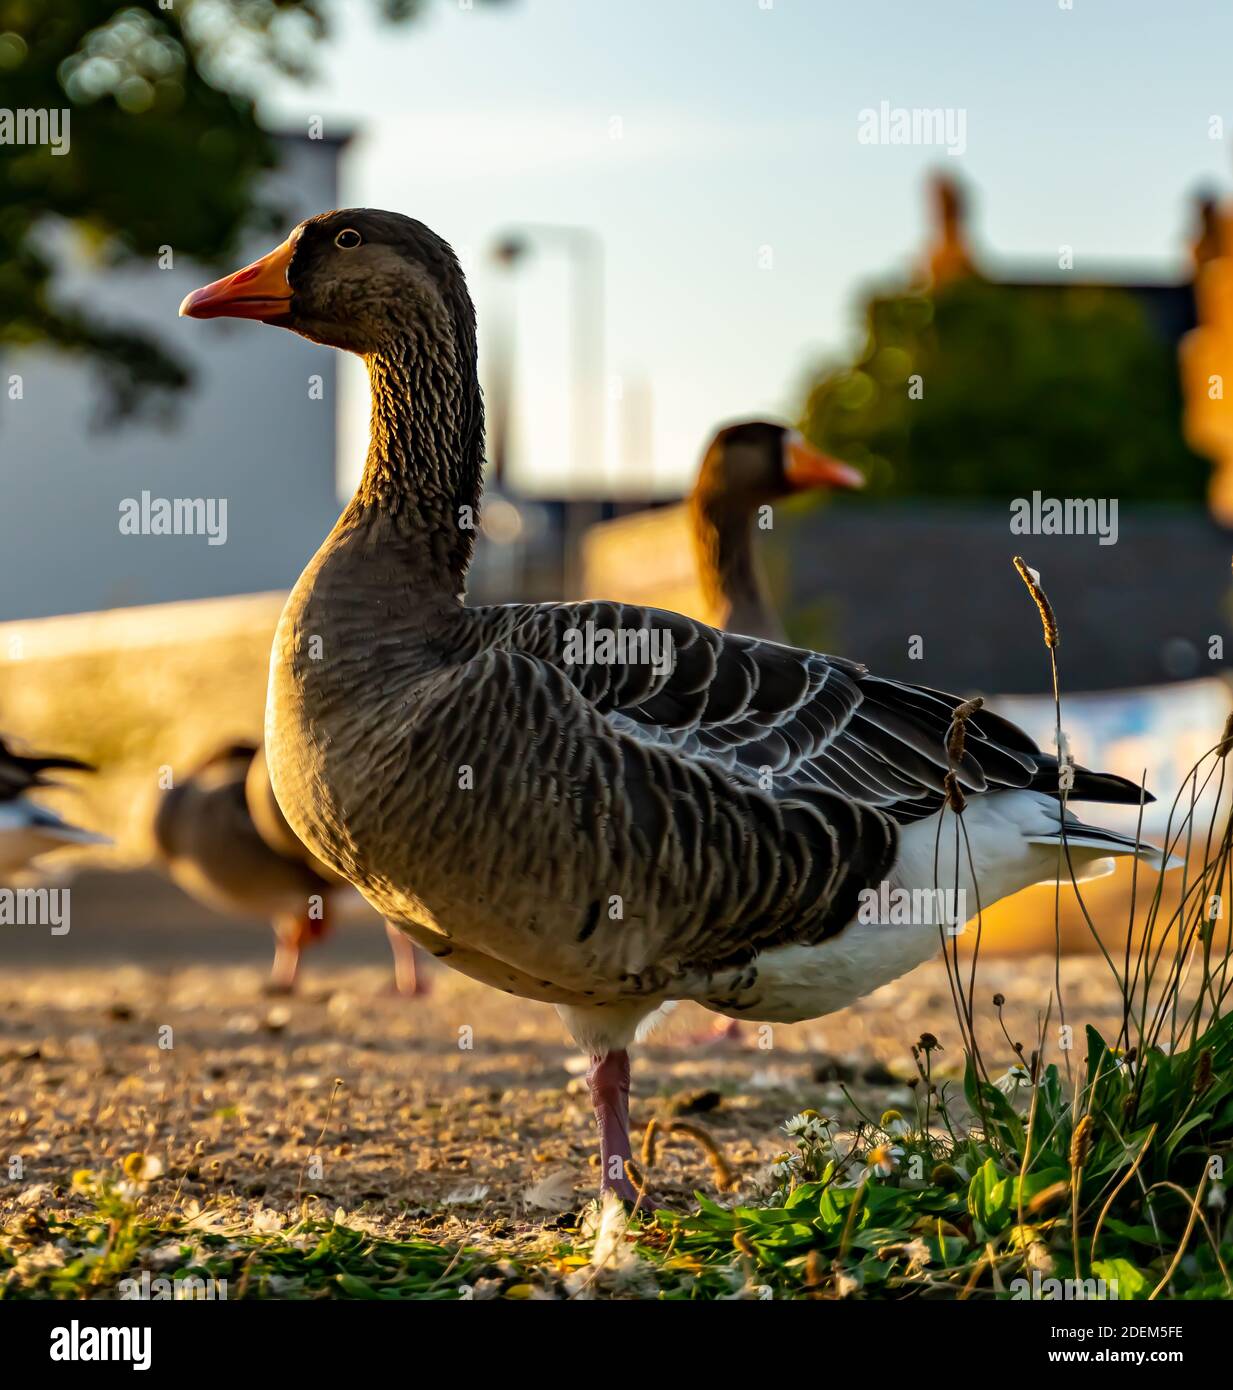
(289, 938)
(608, 1079)
(406, 975)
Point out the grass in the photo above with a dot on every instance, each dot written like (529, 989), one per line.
(1109, 1185)
(1086, 1167)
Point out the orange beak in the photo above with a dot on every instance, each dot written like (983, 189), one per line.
(807, 467)
(259, 291)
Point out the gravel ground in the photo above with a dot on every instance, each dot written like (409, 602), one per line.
(423, 1113)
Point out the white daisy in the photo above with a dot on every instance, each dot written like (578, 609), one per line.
(783, 1167)
(882, 1160)
(1010, 1083)
(894, 1124)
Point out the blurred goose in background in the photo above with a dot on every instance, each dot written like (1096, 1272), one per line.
(599, 806)
(27, 829)
(747, 466)
(224, 841)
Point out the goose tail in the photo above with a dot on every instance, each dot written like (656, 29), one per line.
(27, 831)
(1094, 849)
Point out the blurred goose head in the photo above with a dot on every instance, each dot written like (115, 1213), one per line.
(754, 462)
(747, 466)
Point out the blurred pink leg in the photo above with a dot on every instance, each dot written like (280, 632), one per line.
(406, 973)
(288, 942)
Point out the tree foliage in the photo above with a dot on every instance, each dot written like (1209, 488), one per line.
(165, 151)
(1068, 389)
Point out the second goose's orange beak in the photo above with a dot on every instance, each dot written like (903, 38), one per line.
(806, 467)
(259, 291)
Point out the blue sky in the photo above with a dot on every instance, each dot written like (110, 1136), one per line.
(690, 134)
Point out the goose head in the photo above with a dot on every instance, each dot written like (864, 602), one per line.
(358, 279)
(387, 288)
(755, 462)
(747, 466)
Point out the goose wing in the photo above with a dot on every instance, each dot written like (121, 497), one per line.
(781, 717)
(708, 868)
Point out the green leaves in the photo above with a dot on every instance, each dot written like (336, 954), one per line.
(891, 1238)
(164, 154)
(1122, 1278)
(1014, 385)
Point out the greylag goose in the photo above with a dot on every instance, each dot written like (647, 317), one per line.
(748, 466)
(223, 839)
(603, 807)
(28, 830)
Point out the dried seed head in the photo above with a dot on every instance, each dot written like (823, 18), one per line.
(999, 1000)
(955, 798)
(1226, 739)
(1081, 1143)
(929, 1043)
(649, 1146)
(1032, 580)
(956, 735)
(632, 1173)
(741, 1242)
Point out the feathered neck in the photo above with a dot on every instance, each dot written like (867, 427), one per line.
(426, 449)
(731, 576)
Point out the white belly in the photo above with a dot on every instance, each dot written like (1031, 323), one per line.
(800, 982)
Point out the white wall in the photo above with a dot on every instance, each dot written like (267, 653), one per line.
(245, 430)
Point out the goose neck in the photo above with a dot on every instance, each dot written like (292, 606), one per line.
(424, 470)
(731, 577)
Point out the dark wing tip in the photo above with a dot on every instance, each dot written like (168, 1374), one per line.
(1108, 787)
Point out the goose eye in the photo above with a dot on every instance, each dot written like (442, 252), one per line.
(348, 239)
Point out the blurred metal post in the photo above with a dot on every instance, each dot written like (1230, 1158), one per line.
(587, 407)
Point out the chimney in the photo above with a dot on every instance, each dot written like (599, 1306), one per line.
(1208, 238)
(948, 256)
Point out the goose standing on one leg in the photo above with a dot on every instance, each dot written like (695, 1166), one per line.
(27, 829)
(591, 804)
(224, 841)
